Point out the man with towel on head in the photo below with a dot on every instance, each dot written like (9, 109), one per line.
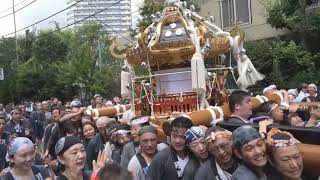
(195, 140)
(251, 149)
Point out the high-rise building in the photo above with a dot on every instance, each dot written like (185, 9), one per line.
(116, 18)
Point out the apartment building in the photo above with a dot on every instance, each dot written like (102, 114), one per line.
(115, 16)
(250, 14)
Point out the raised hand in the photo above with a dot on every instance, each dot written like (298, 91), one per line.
(102, 159)
(264, 124)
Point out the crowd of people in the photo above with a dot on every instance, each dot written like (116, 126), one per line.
(51, 140)
(303, 116)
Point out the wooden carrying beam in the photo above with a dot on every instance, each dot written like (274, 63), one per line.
(310, 149)
(113, 111)
(311, 158)
(203, 117)
(109, 111)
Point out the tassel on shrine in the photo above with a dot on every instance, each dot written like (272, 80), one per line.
(198, 72)
(125, 83)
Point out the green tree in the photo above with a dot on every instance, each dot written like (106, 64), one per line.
(50, 47)
(292, 14)
(7, 54)
(56, 63)
(80, 65)
(35, 77)
(149, 8)
(286, 64)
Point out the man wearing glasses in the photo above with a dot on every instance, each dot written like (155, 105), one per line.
(222, 164)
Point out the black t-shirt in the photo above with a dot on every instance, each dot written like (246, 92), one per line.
(234, 119)
(47, 134)
(233, 168)
(19, 129)
(277, 176)
(4, 141)
(86, 176)
(55, 135)
(39, 172)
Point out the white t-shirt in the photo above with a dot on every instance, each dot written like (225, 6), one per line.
(181, 164)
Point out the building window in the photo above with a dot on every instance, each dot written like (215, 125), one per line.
(235, 10)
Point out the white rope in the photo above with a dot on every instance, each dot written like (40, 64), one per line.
(145, 91)
(186, 116)
(234, 77)
(181, 97)
(117, 109)
(280, 95)
(260, 99)
(95, 112)
(265, 98)
(219, 109)
(150, 79)
(124, 109)
(213, 114)
(211, 86)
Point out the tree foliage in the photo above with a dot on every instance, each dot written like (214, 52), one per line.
(296, 15)
(59, 62)
(149, 8)
(295, 59)
(286, 64)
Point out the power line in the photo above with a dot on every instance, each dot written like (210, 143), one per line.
(93, 15)
(12, 6)
(45, 18)
(18, 9)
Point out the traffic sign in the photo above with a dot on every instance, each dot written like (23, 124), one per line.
(1, 74)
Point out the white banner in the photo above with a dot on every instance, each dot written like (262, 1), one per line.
(174, 83)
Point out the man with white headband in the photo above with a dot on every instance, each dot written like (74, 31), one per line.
(222, 163)
(285, 157)
(195, 140)
(273, 110)
(312, 96)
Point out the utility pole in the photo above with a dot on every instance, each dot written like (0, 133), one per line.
(15, 31)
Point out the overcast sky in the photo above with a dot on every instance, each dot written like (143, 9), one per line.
(35, 12)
